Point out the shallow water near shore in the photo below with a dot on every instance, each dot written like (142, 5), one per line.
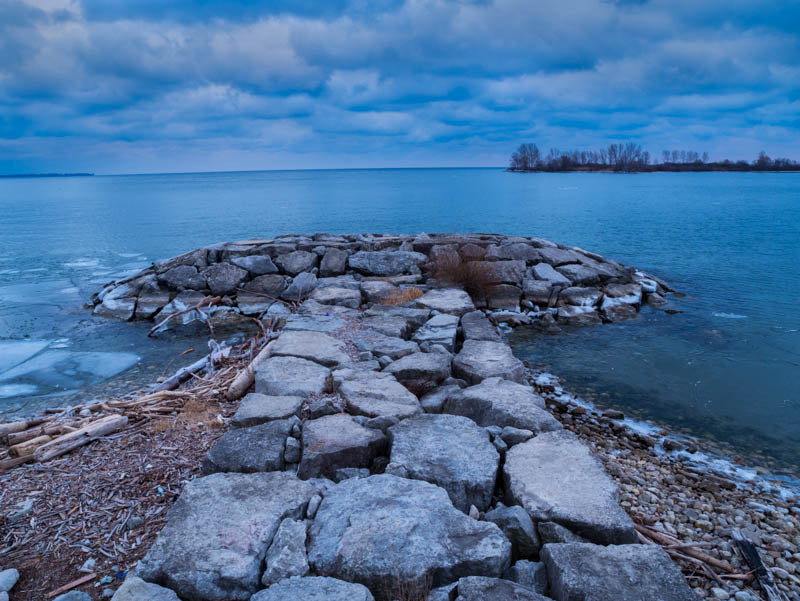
(726, 368)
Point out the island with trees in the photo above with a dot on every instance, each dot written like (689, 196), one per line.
(632, 158)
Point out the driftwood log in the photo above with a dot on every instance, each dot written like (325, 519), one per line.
(85, 435)
(245, 378)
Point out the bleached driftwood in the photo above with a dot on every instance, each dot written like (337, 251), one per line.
(86, 434)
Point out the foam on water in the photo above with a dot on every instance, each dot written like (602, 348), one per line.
(83, 263)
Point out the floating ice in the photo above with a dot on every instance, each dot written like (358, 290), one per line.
(14, 352)
(83, 263)
(11, 390)
(729, 315)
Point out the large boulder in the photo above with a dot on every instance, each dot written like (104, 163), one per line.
(559, 256)
(314, 346)
(439, 329)
(586, 572)
(314, 588)
(518, 527)
(183, 277)
(499, 272)
(301, 287)
(539, 292)
(290, 376)
(545, 272)
(576, 315)
(385, 262)
(393, 533)
(254, 449)
(503, 296)
(313, 322)
(136, 589)
(389, 325)
(380, 344)
(556, 478)
(578, 296)
(255, 409)
(218, 531)
(446, 300)
(333, 295)
(255, 264)
(374, 394)
(476, 326)
(521, 251)
(224, 278)
(450, 451)
(581, 275)
(498, 402)
(297, 262)
(334, 262)
(337, 441)
(481, 359)
(420, 371)
(271, 285)
(622, 301)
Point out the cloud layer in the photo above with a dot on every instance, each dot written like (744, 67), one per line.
(171, 85)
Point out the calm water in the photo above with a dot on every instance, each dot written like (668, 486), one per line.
(728, 367)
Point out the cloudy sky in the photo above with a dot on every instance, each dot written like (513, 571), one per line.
(125, 86)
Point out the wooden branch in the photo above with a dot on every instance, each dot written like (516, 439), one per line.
(751, 555)
(70, 586)
(208, 301)
(85, 435)
(246, 377)
(668, 541)
(29, 446)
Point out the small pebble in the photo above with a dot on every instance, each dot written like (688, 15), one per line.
(8, 578)
(720, 593)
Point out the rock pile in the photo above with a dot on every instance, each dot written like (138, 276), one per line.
(394, 450)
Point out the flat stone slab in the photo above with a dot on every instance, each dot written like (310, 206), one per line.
(420, 369)
(447, 300)
(388, 531)
(302, 322)
(498, 402)
(389, 325)
(378, 344)
(385, 262)
(544, 271)
(247, 450)
(439, 329)
(450, 451)
(136, 589)
(415, 317)
(556, 478)
(337, 441)
(477, 327)
(480, 588)
(218, 532)
(286, 555)
(291, 376)
(332, 295)
(587, 572)
(374, 393)
(314, 588)
(314, 346)
(256, 409)
(481, 359)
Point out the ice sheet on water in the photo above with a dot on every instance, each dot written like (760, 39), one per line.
(729, 315)
(11, 390)
(14, 352)
(83, 263)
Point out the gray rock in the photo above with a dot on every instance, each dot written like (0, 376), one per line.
(559, 256)
(81, 596)
(297, 262)
(258, 408)
(334, 262)
(578, 316)
(330, 405)
(518, 527)
(512, 435)
(656, 300)
(476, 327)
(384, 262)
(377, 291)
(312, 307)
(392, 326)
(218, 531)
(538, 292)
(331, 295)
(224, 278)
(450, 451)
(502, 403)
(250, 303)
(314, 588)
(382, 422)
(150, 303)
(8, 578)
(586, 572)
(557, 479)
(286, 556)
(512, 251)
(337, 441)
(446, 300)
(388, 530)
(340, 281)
(420, 371)
(314, 346)
(301, 287)
(303, 322)
(414, 317)
(373, 394)
(272, 285)
(293, 451)
(3, 596)
(134, 589)
(550, 532)
(505, 297)
(581, 275)
(532, 574)
(256, 264)
(183, 277)
(434, 401)
(379, 344)
(196, 258)
(247, 450)
(499, 272)
(481, 359)
(545, 272)
(290, 376)
(476, 588)
(439, 329)
(344, 473)
(617, 309)
(582, 297)
(116, 305)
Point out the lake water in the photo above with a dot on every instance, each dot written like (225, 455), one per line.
(727, 367)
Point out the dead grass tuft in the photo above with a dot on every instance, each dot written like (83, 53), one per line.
(449, 268)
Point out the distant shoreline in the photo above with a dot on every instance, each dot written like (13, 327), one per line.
(24, 175)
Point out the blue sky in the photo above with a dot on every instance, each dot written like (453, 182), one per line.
(115, 86)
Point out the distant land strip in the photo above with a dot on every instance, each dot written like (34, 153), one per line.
(20, 175)
(632, 158)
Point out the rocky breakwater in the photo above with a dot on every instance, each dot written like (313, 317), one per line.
(392, 447)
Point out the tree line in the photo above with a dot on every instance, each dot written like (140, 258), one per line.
(631, 157)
